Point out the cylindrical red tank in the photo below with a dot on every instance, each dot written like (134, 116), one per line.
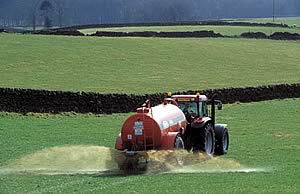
(149, 128)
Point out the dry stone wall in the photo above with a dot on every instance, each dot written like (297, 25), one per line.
(186, 34)
(199, 23)
(42, 101)
(159, 34)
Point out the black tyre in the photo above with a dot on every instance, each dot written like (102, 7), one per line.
(178, 144)
(207, 140)
(222, 140)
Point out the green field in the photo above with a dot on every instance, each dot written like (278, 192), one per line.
(144, 65)
(263, 135)
(225, 30)
(279, 20)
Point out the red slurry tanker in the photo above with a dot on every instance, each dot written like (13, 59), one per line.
(180, 122)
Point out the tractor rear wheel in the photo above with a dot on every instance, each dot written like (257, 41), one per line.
(207, 140)
(222, 141)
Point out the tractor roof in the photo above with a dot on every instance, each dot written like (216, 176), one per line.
(201, 97)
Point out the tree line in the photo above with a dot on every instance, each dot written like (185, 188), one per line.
(78, 12)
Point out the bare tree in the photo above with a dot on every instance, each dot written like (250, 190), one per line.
(47, 13)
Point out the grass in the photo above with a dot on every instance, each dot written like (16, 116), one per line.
(263, 134)
(280, 20)
(144, 65)
(225, 30)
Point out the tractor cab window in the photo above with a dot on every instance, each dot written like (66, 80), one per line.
(204, 109)
(188, 108)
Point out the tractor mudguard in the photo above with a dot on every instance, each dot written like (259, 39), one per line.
(200, 123)
(169, 140)
(220, 126)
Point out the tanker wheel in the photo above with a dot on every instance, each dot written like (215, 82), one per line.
(179, 145)
(207, 140)
(222, 141)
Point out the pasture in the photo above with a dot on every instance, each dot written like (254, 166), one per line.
(264, 135)
(224, 30)
(144, 65)
(279, 20)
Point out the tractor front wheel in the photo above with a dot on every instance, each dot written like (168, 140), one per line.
(222, 141)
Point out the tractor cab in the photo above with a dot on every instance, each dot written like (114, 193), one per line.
(193, 106)
(202, 133)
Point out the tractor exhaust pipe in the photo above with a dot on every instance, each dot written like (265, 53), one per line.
(213, 108)
(213, 111)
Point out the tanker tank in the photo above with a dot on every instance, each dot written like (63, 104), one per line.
(151, 127)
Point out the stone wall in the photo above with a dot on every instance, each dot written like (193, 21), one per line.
(69, 32)
(199, 23)
(184, 34)
(42, 101)
(159, 34)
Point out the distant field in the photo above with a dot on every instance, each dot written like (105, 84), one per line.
(144, 65)
(285, 20)
(264, 135)
(225, 30)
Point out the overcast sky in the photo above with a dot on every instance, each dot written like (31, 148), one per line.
(20, 12)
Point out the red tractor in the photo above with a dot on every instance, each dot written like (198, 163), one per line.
(180, 122)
